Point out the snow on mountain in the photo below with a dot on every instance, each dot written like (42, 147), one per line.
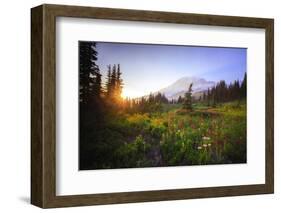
(179, 87)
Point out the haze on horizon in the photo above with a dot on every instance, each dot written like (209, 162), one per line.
(148, 68)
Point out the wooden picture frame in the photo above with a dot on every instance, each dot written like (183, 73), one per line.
(43, 105)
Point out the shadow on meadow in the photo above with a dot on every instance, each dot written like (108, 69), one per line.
(152, 131)
(172, 136)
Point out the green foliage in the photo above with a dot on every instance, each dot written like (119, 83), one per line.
(153, 131)
(187, 103)
(173, 137)
(150, 104)
(207, 137)
(89, 74)
(223, 93)
(133, 154)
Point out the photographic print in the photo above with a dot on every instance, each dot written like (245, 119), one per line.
(151, 105)
(110, 99)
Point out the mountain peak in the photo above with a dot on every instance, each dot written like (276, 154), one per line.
(180, 86)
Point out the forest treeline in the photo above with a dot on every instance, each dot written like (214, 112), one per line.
(222, 92)
(117, 132)
(91, 89)
(93, 92)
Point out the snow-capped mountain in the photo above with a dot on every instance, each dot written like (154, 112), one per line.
(179, 87)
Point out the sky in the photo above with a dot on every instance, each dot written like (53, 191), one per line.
(150, 67)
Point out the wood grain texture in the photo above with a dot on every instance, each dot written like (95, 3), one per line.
(36, 106)
(43, 105)
(269, 118)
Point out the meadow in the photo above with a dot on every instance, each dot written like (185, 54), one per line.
(192, 121)
(170, 136)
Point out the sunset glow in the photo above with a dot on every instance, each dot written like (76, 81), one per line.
(131, 93)
(149, 68)
(151, 105)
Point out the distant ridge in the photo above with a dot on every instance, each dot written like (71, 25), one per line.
(179, 87)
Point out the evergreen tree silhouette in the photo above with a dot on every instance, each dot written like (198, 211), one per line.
(113, 83)
(180, 99)
(244, 86)
(89, 74)
(188, 99)
(108, 85)
(119, 83)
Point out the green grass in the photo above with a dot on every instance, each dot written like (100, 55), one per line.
(175, 137)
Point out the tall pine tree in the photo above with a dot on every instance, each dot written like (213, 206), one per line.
(244, 86)
(113, 82)
(119, 83)
(89, 74)
(108, 85)
(188, 99)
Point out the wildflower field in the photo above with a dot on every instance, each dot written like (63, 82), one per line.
(171, 136)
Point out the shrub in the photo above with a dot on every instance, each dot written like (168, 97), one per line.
(133, 154)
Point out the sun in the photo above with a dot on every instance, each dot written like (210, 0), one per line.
(131, 93)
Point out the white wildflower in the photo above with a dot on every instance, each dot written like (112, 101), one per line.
(206, 138)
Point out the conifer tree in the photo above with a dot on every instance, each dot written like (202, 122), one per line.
(108, 85)
(119, 83)
(244, 87)
(180, 99)
(188, 99)
(208, 97)
(113, 82)
(89, 74)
